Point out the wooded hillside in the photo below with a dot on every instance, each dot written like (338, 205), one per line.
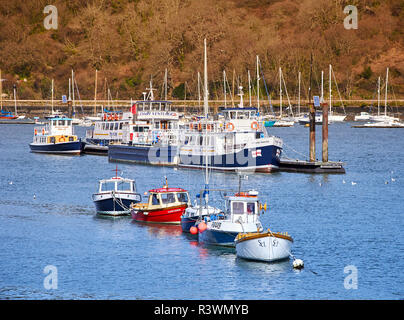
(130, 41)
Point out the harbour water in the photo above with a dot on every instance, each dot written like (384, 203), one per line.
(47, 218)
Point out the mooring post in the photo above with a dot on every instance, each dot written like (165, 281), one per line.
(325, 132)
(312, 118)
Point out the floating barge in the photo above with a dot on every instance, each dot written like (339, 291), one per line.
(290, 165)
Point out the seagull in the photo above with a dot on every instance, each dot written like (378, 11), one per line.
(386, 182)
(11, 182)
(353, 183)
(392, 179)
(343, 181)
(319, 184)
(34, 196)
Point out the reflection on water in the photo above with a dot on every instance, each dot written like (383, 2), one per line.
(160, 229)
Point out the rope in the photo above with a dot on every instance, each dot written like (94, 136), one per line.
(289, 147)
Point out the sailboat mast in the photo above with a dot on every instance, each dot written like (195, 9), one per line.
(95, 93)
(249, 86)
(330, 85)
(385, 95)
(258, 85)
(378, 96)
(52, 96)
(299, 94)
(165, 85)
(15, 99)
(73, 88)
(224, 87)
(1, 92)
(280, 92)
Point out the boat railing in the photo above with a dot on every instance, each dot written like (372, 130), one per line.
(43, 130)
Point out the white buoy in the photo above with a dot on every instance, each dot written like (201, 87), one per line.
(11, 182)
(353, 183)
(392, 179)
(298, 264)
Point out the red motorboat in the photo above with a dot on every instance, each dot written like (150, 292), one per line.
(165, 205)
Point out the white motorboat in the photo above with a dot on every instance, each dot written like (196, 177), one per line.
(364, 116)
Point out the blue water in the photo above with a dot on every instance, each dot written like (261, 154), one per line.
(334, 225)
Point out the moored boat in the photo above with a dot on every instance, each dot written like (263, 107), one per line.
(263, 246)
(115, 196)
(165, 205)
(57, 137)
(241, 214)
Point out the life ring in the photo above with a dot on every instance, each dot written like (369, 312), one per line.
(35, 132)
(110, 117)
(254, 125)
(62, 139)
(116, 116)
(230, 126)
(209, 127)
(105, 116)
(199, 127)
(43, 131)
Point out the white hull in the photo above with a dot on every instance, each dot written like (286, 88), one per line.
(335, 118)
(266, 249)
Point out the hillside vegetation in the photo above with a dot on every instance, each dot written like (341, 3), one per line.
(132, 41)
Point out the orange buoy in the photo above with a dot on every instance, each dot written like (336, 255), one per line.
(202, 226)
(230, 126)
(193, 230)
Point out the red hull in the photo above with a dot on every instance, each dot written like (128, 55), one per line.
(169, 215)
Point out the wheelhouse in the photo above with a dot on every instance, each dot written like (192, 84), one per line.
(167, 197)
(116, 184)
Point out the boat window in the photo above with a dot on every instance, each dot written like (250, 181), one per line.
(108, 186)
(182, 197)
(167, 198)
(251, 207)
(123, 186)
(238, 207)
(120, 126)
(61, 122)
(155, 200)
(232, 115)
(116, 126)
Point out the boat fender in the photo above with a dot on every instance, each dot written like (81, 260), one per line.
(193, 230)
(202, 227)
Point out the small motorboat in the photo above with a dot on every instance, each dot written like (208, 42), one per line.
(263, 246)
(165, 205)
(241, 214)
(115, 196)
(196, 213)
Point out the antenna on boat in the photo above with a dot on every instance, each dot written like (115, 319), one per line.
(166, 186)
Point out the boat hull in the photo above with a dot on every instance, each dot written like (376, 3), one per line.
(167, 215)
(266, 248)
(217, 237)
(154, 155)
(117, 205)
(187, 223)
(260, 159)
(70, 147)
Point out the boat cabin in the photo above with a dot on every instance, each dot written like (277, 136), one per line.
(167, 197)
(116, 184)
(244, 206)
(59, 130)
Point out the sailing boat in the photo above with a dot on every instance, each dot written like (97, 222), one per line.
(384, 118)
(287, 121)
(199, 212)
(331, 116)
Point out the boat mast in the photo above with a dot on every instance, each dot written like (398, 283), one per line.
(299, 94)
(206, 109)
(280, 92)
(95, 93)
(165, 85)
(385, 95)
(1, 92)
(249, 86)
(15, 99)
(224, 87)
(74, 110)
(258, 85)
(52, 96)
(378, 96)
(330, 85)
